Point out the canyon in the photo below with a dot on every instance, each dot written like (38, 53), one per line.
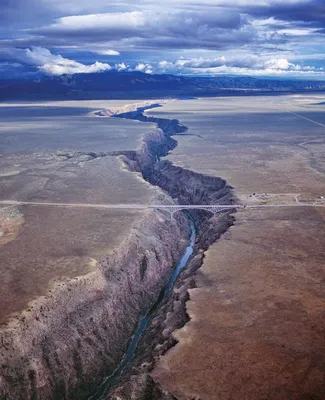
(227, 328)
(256, 313)
(68, 339)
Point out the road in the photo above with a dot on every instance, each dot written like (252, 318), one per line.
(155, 206)
(305, 118)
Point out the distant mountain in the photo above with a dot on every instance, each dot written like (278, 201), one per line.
(114, 84)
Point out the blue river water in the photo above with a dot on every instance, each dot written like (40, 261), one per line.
(146, 319)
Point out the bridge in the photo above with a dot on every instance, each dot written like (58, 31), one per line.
(214, 209)
(169, 208)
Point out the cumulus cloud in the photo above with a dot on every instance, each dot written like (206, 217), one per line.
(57, 65)
(234, 63)
(240, 65)
(121, 66)
(147, 68)
(254, 62)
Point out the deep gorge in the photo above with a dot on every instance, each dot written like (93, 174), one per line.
(66, 353)
(185, 187)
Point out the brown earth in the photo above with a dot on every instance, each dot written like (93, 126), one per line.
(256, 328)
(245, 339)
(53, 244)
(40, 245)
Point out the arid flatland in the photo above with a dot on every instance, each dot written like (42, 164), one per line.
(256, 305)
(256, 327)
(43, 158)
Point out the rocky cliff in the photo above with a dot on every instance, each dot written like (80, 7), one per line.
(63, 346)
(185, 187)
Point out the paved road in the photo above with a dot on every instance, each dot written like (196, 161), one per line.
(307, 119)
(156, 206)
(74, 205)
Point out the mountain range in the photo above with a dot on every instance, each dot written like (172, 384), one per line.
(114, 84)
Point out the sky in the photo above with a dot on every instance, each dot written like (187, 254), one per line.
(276, 38)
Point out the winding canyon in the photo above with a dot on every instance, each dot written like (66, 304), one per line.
(91, 308)
(68, 341)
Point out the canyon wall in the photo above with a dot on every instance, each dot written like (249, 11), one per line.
(65, 343)
(188, 188)
(185, 187)
(79, 333)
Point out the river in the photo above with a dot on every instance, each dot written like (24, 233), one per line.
(146, 319)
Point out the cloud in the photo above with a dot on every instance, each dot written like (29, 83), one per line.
(234, 63)
(107, 52)
(147, 68)
(57, 65)
(237, 62)
(240, 65)
(309, 12)
(121, 67)
(151, 29)
(185, 25)
(276, 36)
(121, 24)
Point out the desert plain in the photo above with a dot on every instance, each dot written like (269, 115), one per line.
(256, 312)
(256, 328)
(44, 158)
